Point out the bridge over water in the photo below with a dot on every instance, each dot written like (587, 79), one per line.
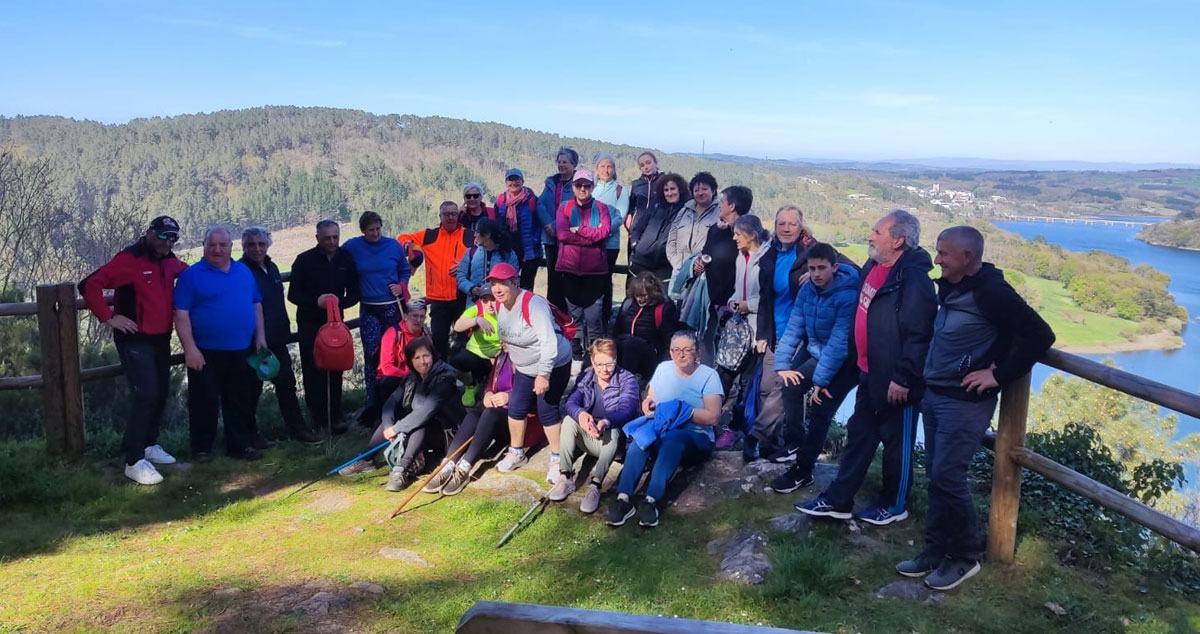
(1110, 222)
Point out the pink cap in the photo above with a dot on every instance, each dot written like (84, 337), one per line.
(583, 175)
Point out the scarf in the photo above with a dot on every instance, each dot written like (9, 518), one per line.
(511, 203)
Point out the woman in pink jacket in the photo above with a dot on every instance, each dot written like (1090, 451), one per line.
(583, 225)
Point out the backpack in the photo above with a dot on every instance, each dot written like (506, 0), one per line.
(565, 324)
(733, 342)
(333, 350)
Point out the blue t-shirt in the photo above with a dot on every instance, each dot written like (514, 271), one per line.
(784, 299)
(669, 386)
(379, 264)
(220, 305)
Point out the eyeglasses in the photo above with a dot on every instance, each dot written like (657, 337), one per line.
(473, 196)
(169, 236)
(607, 366)
(682, 350)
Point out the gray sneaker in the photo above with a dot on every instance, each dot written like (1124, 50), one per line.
(398, 479)
(357, 467)
(458, 482)
(512, 461)
(562, 489)
(591, 499)
(443, 476)
(918, 566)
(952, 572)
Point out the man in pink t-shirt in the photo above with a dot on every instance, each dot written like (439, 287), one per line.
(892, 328)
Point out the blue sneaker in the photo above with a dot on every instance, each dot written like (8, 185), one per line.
(880, 516)
(820, 507)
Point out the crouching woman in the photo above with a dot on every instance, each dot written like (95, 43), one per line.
(682, 405)
(604, 399)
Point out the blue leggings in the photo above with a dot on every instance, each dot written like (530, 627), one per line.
(681, 446)
(373, 320)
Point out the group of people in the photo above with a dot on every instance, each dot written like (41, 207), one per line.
(727, 331)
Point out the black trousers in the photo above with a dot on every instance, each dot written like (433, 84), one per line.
(481, 427)
(529, 269)
(555, 292)
(226, 384)
(442, 314)
(316, 381)
(808, 433)
(608, 288)
(896, 428)
(478, 367)
(147, 366)
(285, 393)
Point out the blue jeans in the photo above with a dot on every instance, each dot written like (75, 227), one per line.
(680, 446)
(953, 430)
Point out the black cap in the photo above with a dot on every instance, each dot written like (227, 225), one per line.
(164, 223)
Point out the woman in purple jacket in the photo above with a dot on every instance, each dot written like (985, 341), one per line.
(583, 224)
(605, 398)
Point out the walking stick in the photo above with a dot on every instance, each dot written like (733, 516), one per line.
(329, 412)
(431, 476)
(342, 466)
(512, 531)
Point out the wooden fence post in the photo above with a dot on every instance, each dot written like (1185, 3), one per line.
(62, 395)
(1006, 478)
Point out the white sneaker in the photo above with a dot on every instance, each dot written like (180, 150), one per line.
(511, 461)
(553, 472)
(158, 455)
(143, 472)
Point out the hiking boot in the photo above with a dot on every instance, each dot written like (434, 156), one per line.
(458, 481)
(918, 566)
(261, 443)
(470, 395)
(786, 454)
(398, 479)
(792, 479)
(249, 454)
(304, 436)
(726, 439)
(820, 507)
(880, 516)
(158, 455)
(750, 451)
(648, 517)
(512, 461)
(143, 472)
(619, 512)
(952, 572)
(443, 476)
(562, 489)
(358, 466)
(553, 471)
(591, 499)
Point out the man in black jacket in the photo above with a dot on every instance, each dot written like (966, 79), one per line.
(256, 241)
(892, 329)
(324, 272)
(984, 336)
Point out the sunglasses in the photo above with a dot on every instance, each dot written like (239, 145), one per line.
(473, 196)
(583, 185)
(169, 236)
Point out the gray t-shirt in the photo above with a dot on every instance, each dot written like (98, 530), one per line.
(535, 348)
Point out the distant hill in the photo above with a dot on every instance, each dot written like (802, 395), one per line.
(957, 164)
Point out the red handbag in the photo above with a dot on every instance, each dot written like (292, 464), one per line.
(334, 348)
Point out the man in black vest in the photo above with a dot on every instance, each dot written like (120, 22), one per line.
(256, 241)
(324, 272)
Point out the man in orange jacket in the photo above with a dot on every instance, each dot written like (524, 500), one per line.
(443, 246)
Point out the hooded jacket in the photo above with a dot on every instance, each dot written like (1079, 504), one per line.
(899, 327)
(473, 268)
(642, 196)
(616, 198)
(554, 194)
(981, 321)
(821, 327)
(746, 283)
(648, 239)
(527, 239)
(145, 291)
(582, 251)
(689, 230)
(432, 400)
(621, 397)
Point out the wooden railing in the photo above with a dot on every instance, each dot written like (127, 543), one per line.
(61, 383)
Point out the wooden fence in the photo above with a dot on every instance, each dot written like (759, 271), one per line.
(62, 379)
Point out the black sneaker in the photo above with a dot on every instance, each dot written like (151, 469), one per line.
(649, 515)
(952, 572)
(261, 443)
(918, 566)
(792, 479)
(304, 436)
(619, 512)
(820, 507)
(249, 453)
(202, 457)
(787, 454)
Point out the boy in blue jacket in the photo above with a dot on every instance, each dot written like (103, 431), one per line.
(813, 356)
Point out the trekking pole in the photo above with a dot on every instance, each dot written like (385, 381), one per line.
(431, 476)
(329, 412)
(512, 531)
(341, 466)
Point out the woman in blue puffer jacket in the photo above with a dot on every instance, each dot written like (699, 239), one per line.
(491, 248)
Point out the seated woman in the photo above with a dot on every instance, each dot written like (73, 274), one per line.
(604, 399)
(481, 427)
(644, 325)
(425, 403)
(393, 366)
(682, 405)
(474, 359)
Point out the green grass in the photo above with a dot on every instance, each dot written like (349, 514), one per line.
(81, 551)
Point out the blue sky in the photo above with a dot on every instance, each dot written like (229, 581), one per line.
(1094, 81)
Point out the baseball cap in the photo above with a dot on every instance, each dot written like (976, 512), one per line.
(583, 175)
(502, 271)
(164, 223)
(514, 172)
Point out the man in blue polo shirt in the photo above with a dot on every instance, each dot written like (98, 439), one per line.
(218, 315)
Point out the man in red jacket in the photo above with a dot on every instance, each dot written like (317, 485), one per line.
(143, 278)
